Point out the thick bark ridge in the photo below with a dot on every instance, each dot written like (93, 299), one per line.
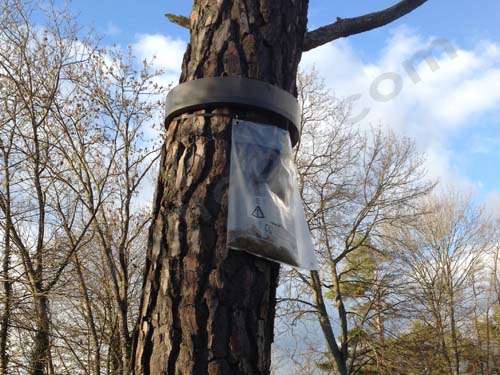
(205, 310)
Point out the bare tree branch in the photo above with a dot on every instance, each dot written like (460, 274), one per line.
(182, 21)
(349, 26)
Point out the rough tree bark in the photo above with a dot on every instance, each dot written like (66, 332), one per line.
(206, 310)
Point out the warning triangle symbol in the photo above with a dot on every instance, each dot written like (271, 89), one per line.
(257, 212)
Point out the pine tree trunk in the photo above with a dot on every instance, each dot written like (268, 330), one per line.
(205, 310)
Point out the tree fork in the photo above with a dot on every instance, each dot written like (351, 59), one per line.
(205, 310)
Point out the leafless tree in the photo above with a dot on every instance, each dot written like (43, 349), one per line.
(356, 187)
(444, 254)
(77, 146)
(34, 63)
(6, 144)
(124, 101)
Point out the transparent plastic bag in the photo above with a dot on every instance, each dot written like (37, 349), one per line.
(266, 217)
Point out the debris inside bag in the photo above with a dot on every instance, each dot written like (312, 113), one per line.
(266, 217)
(257, 246)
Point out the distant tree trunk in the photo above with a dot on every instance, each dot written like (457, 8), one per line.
(120, 290)
(89, 314)
(339, 356)
(125, 343)
(205, 310)
(118, 283)
(41, 345)
(442, 338)
(7, 296)
(114, 352)
(6, 283)
(379, 317)
(453, 323)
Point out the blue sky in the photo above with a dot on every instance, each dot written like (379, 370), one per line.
(453, 113)
(463, 20)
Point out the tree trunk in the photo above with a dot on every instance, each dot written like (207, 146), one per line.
(89, 314)
(442, 339)
(7, 296)
(453, 323)
(41, 346)
(488, 341)
(114, 352)
(125, 343)
(326, 326)
(204, 309)
(119, 288)
(6, 282)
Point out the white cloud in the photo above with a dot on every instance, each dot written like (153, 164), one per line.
(474, 95)
(442, 166)
(167, 53)
(462, 87)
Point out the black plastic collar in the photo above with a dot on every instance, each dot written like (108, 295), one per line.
(210, 92)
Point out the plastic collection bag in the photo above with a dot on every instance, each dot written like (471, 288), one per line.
(266, 217)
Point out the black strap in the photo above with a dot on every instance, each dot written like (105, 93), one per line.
(210, 92)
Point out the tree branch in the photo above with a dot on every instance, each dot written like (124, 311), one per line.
(182, 21)
(349, 26)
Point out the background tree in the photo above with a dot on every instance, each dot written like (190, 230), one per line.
(77, 146)
(41, 208)
(112, 153)
(393, 324)
(357, 187)
(443, 258)
(6, 145)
